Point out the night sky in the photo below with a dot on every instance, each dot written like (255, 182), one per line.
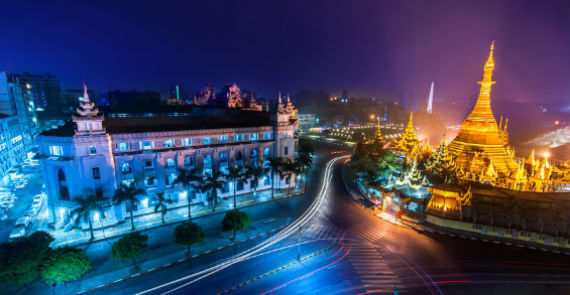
(366, 47)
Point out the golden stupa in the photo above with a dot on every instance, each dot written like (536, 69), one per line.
(481, 145)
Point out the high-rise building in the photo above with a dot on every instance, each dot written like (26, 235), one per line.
(15, 101)
(44, 90)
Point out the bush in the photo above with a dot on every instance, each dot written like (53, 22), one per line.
(235, 220)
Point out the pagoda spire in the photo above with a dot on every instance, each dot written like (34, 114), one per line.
(85, 94)
(409, 139)
(482, 110)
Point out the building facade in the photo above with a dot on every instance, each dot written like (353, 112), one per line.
(15, 101)
(44, 91)
(94, 154)
(13, 151)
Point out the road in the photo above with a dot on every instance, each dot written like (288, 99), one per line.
(346, 250)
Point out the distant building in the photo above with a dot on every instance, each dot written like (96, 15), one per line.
(45, 92)
(13, 151)
(15, 101)
(94, 154)
(70, 99)
(307, 121)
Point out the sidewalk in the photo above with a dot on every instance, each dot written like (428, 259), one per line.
(149, 220)
(267, 218)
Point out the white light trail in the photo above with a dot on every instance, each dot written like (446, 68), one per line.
(286, 232)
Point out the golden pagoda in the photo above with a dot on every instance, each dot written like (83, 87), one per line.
(408, 140)
(480, 143)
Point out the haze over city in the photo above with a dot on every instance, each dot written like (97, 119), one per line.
(291, 147)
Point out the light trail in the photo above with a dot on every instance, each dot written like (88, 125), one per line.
(312, 272)
(286, 232)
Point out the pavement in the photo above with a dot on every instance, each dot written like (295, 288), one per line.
(151, 220)
(163, 254)
(352, 251)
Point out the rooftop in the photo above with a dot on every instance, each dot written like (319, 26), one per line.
(141, 124)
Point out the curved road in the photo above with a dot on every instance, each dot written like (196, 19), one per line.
(343, 249)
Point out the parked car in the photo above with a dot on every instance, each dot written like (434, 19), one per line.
(18, 232)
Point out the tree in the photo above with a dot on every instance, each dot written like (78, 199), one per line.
(235, 220)
(129, 246)
(304, 165)
(189, 179)
(254, 173)
(214, 181)
(161, 203)
(128, 193)
(83, 212)
(305, 147)
(288, 168)
(236, 174)
(21, 259)
(64, 264)
(274, 166)
(188, 233)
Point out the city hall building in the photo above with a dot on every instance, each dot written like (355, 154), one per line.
(94, 154)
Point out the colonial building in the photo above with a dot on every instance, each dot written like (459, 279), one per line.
(95, 153)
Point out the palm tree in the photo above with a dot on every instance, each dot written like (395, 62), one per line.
(274, 166)
(83, 211)
(188, 179)
(254, 173)
(287, 170)
(128, 193)
(305, 162)
(236, 174)
(161, 205)
(214, 181)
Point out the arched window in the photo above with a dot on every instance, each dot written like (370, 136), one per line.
(92, 150)
(266, 155)
(207, 164)
(253, 157)
(188, 162)
(126, 168)
(170, 163)
(63, 190)
(239, 159)
(223, 159)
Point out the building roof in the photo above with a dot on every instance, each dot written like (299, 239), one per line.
(142, 124)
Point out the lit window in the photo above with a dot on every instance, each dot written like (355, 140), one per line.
(206, 140)
(188, 141)
(223, 139)
(123, 146)
(147, 145)
(268, 135)
(170, 163)
(168, 143)
(253, 136)
(188, 161)
(56, 150)
(238, 137)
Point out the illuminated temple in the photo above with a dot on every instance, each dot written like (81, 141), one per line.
(481, 146)
(481, 153)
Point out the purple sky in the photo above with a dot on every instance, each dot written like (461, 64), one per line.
(365, 47)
